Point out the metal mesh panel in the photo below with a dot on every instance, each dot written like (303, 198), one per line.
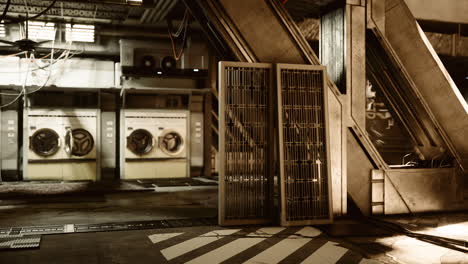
(303, 146)
(245, 182)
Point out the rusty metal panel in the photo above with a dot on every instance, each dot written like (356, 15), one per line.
(246, 146)
(304, 155)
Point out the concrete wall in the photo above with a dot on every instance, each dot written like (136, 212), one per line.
(431, 78)
(454, 11)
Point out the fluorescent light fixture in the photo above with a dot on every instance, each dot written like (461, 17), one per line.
(195, 70)
(79, 33)
(41, 30)
(159, 73)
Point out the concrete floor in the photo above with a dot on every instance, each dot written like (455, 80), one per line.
(405, 249)
(194, 245)
(163, 203)
(347, 241)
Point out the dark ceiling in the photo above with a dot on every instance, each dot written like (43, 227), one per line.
(95, 11)
(300, 9)
(121, 11)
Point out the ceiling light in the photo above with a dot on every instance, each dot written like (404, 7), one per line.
(79, 33)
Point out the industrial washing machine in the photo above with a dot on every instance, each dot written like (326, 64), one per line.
(156, 144)
(61, 145)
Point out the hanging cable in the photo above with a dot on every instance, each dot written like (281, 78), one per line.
(178, 55)
(23, 89)
(5, 11)
(16, 20)
(27, 8)
(182, 25)
(13, 55)
(65, 54)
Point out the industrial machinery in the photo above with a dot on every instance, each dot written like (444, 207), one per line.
(157, 58)
(155, 144)
(61, 144)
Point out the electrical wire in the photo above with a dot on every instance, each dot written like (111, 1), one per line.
(50, 69)
(47, 65)
(176, 55)
(15, 20)
(23, 88)
(182, 25)
(13, 55)
(65, 54)
(7, 6)
(27, 8)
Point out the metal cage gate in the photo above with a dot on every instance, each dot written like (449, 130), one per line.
(303, 145)
(248, 142)
(245, 147)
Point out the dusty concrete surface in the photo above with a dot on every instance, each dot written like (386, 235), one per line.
(183, 202)
(192, 245)
(405, 249)
(347, 241)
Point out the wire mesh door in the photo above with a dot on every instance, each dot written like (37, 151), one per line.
(245, 143)
(303, 145)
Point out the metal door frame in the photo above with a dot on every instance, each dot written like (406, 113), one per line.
(283, 214)
(222, 132)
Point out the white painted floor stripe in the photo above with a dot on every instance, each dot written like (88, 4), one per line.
(194, 243)
(237, 246)
(326, 254)
(285, 247)
(156, 238)
(369, 261)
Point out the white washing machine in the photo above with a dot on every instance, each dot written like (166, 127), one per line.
(156, 144)
(61, 145)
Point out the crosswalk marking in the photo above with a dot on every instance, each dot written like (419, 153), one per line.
(194, 243)
(156, 238)
(327, 254)
(368, 261)
(233, 248)
(285, 247)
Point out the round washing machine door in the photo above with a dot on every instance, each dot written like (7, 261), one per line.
(140, 142)
(79, 142)
(171, 142)
(45, 142)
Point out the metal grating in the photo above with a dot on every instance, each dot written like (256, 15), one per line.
(304, 156)
(19, 241)
(31, 231)
(245, 143)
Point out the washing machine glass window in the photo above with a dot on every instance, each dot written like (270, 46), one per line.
(45, 142)
(140, 142)
(171, 142)
(79, 141)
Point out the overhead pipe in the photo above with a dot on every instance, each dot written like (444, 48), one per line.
(167, 10)
(165, 6)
